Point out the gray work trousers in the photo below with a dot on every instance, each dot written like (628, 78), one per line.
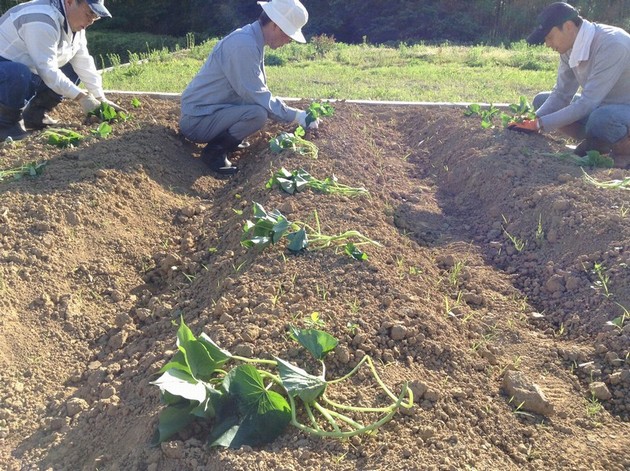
(239, 120)
(611, 123)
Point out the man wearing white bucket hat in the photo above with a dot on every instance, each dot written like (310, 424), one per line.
(228, 99)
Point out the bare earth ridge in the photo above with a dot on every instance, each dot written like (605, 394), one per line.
(499, 269)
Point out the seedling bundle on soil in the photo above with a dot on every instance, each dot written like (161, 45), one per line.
(253, 402)
(623, 184)
(318, 110)
(518, 112)
(103, 130)
(298, 180)
(295, 142)
(592, 159)
(107, 113)
(270, 227)
(31, 169)
(61, 137)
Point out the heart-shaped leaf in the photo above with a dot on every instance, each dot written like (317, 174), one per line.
(299, 383)
(317, 342)
(257, 416)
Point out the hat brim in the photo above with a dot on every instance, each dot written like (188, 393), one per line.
(100, 10)
(537, 37)
(283, 24)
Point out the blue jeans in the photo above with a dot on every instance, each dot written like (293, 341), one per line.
(610, 123)
(18, 84)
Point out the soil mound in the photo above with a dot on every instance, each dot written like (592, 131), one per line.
(500, 271)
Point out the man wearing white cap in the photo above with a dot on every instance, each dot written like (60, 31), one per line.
(228, 99)
(43, 57)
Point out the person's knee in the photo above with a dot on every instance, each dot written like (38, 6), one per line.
(539, 99)
(258, 116)
(15, 78)
(605, 125)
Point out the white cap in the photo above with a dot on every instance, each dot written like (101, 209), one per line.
(289, 15)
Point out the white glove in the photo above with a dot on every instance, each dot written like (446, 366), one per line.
(300, 117)
(113, 105)
(88, 102)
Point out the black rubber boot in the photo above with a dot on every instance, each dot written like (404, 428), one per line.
(35, 114)
(215, 154)
(11, 124)
(592, 143)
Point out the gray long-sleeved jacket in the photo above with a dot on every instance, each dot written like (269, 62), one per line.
(37, 35)
(604, 78)
(234, 74)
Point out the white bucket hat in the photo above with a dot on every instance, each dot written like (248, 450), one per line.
(289, 15)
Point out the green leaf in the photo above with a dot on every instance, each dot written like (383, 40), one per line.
(219, 355)
(197, 357)
(473, 109)
(287, 185)
(201, 356)
(279, 228)
(213, 403)
(317, 342)
(103, 130)
(180, 383)
(252, 429)
(257, 416)
(246, 384)
(178, 362)
(354, 252)
(299, 383)
(260, 242)
(173, 419)
(298, 240)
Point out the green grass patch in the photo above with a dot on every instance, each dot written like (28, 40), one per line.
(404, 73)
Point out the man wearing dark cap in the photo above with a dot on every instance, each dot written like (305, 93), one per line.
(595, 58)
(43, 57)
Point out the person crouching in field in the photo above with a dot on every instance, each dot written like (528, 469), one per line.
(228, 99)
(43, 57)
(595, 57)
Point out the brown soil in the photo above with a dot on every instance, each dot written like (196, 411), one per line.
(118, 238)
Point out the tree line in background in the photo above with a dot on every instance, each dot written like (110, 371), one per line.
(355, 21)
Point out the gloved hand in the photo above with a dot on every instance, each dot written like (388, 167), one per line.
(527, 126)
(300, 117)
(88, 102)
(113, 105)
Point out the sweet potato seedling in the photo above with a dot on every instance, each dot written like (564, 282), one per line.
(619, 184)
(592, 159)
(295, 142)
(107, 113)
(103, 130)
(62, 137)
(253, 402)
(518, 112)
(318, 110)
(270, 227)
(297, 180)
(31, 169)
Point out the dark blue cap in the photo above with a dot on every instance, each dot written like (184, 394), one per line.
(555, 14)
